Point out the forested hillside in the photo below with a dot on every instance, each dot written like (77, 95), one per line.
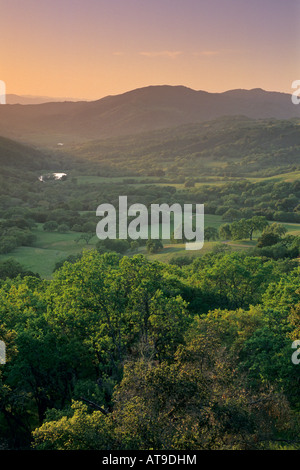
(21, 157)
(131, 344)
(123, 353)
(233, 146)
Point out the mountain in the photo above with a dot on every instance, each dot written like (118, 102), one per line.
(18, 156)
(30, 99)
(144, 109)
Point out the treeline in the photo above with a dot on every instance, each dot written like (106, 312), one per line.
(278, 201)
(70, 206)
(122, 353)
(273, 242)
(275, 200)
(228, 146)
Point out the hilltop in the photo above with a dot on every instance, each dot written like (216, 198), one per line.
(141, 110)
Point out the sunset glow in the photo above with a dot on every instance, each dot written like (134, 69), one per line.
(92, 48)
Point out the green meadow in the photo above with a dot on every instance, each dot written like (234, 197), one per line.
(49, 248)
(52, 247)
(207, 180)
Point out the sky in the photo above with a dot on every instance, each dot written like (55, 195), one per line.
(87, 49)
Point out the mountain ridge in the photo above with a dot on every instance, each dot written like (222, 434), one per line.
(135, 111)
(12, 98)
(21, 157)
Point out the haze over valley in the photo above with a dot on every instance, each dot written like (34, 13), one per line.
(140, 110)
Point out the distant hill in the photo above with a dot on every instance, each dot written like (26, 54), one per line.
(30, 99)
(18, 156)
(140, 110)
(228, 146)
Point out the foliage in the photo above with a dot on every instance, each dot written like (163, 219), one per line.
(154, 246)
(117, 352)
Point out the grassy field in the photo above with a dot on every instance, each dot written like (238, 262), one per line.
(52, 247)
(174, 251)
(138, 180)
(288, 177)
(293, 229)
(85, 179)
(208, 181)
(49, 248)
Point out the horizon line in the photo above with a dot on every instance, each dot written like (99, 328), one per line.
(61, 99)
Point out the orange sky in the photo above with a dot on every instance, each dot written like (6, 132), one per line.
(93, 48)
